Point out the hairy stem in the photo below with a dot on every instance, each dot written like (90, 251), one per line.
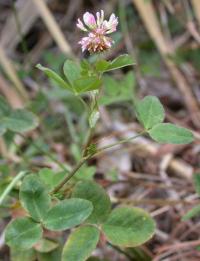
(89, 137)
(73, 172)
(94, 105)
(86, 158)
(119, 142)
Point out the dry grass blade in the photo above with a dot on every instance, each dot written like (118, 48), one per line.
(27, 14)
(165, 49)
(150, 148)
(52, 26)
(11, 73)
(11, 95)
(196, 7)
(180, 245)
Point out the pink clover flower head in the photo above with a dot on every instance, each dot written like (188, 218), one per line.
(97, 29)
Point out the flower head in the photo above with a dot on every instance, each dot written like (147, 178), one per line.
(98, 29)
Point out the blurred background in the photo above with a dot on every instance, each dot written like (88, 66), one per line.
(163, 36)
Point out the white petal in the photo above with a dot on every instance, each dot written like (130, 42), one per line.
(112, 17)
(98, 18)
(102, 16)
(81, 26)
(111, 25)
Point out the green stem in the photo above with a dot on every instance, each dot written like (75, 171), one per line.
(11, 185)
(86, 158)
(94, 105)
(73, 172)
(120, 142)
(89, 137)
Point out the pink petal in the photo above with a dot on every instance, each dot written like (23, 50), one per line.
(108, 41)
(97, 28)
(89, 20)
